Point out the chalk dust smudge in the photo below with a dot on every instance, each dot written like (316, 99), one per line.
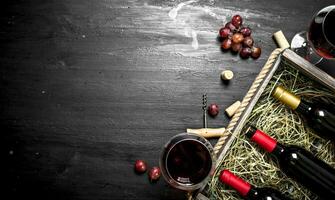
(174, 11)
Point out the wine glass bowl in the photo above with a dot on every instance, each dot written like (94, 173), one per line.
(321, 33)
(187, 161)
(319, 41)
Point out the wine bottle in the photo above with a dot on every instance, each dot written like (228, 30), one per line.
(318, 116)
(248, 191)
(298, 163)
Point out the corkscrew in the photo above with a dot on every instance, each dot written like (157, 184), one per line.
(204, 111)
(206, 132)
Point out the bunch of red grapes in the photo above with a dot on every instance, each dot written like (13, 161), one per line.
(238, 39)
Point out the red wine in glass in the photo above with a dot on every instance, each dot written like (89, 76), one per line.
(319, 41)
(322, 33)
(187, 161)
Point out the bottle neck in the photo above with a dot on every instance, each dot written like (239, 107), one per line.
(241, 186)
(261, 138)
(253, 194)
(278, 151)
(304, 108)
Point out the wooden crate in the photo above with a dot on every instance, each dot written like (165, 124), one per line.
(278, 57)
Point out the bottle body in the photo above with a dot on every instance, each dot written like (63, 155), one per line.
(312, 172)
(319, 117)
(299, 164)
(248, 191)
(265, 193)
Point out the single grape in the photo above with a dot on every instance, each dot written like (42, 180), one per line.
(230, 26)
(246, 31)
(256, 52)
(236, 47)
(248, 42)
(140, 166)
(226, 44)
(245, 52)
(237, 21)
(224, 32)
(154, 174)
(237, 38)
(213, 109)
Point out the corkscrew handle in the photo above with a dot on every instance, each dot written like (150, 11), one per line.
(207, 132)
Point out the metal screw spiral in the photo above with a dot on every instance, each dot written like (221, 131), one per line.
(204, 107)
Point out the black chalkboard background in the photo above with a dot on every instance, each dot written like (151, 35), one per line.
(87, 87)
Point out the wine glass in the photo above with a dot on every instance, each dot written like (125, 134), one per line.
(187, 161)
(319, 42)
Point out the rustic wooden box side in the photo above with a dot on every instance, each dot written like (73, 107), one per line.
(308, 69)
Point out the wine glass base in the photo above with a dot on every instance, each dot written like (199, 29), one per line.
(300, 46)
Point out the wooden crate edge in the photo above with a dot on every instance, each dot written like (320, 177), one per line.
(248, 101)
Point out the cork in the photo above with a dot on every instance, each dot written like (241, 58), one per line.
(207, 132)
(281, 40)
(233, 108)
(227, 75)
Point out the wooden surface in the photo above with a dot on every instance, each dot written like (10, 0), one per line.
(87, 87)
